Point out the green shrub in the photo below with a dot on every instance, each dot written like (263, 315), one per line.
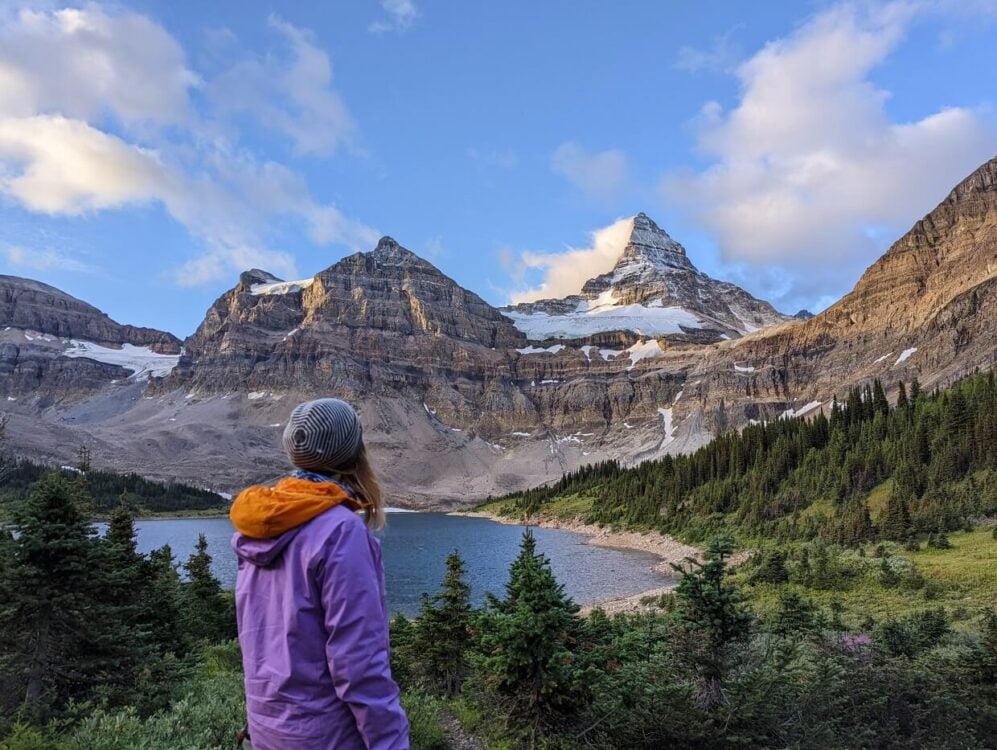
(27, 737)
(423, 710)
(208, 716)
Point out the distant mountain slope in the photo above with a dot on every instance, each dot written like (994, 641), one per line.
(461, 400)
(654, 290)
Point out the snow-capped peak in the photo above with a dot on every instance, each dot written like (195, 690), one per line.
(649, 252)
(652, 290)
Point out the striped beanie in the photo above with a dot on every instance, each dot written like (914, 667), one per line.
(323, 435)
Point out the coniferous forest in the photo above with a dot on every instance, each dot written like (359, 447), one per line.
(934, 455)
(107, 490)
(864, 617)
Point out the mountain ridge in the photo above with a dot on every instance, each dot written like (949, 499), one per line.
(459, 403)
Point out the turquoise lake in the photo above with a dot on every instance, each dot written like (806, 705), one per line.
(416, 544)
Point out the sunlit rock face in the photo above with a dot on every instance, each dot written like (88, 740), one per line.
(461, 400)
(653, 289)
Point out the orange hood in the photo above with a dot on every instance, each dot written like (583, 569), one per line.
(266, 512)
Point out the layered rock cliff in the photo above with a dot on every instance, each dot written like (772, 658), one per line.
(461, 400)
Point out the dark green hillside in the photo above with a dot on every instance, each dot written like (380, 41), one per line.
(107, 490)
(867, 471)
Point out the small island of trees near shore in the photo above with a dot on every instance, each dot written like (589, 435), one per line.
(864, 619)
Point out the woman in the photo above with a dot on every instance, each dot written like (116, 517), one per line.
(310, 595)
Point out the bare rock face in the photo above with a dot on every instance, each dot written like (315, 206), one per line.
(926, 309)
(653, 288)
(39, 324)
(461, 400)
(34, 306)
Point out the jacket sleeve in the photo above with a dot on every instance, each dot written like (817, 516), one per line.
(357, 645)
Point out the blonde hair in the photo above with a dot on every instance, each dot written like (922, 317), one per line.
(362, 480)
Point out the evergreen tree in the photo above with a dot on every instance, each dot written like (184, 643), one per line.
(163, 604)
(123, 596)
(207, 614)
(796, 615)
(895, 522)
(526, 644)
(48, 617)
(712, 612)
(902, 402)
(879, 402)
(443, 630)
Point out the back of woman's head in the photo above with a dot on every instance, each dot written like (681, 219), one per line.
(325, 436)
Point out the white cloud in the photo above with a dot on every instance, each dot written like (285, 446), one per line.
(808, 164)
(86, 63)
(291, 96)
(565, 273)
(60, 156)
(60, 166)
(399, 16)
(44, 260)
(602, 175)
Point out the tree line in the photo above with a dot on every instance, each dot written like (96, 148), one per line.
(797, 479)
(107, 490)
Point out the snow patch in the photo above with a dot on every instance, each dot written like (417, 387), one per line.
(537, 350)
(789, 413)
(608, 354)
(520, 434)
(546, 382)
(600, 315)
(645, 350)
(281, 287)
(141, 360)
(905, 355)
(745, 368)
(257, 395)
(587, 351)
(880, 359)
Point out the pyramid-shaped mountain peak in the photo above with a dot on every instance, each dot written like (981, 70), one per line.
(649, 250)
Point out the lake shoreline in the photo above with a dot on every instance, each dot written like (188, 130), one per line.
(665, 548)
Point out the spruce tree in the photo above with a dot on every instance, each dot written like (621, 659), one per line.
(895, 521)
(48, 615)
(122, 596)
(163, 604)
(714, 618)
(442, 631)
(207, 614)
(526, 644)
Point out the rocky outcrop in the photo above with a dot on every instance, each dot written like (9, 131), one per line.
(461, 400)
(654, 288)
(925, 309)
(37, 307)
(40, 325)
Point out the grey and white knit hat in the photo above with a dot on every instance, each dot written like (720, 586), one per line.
(323, 435)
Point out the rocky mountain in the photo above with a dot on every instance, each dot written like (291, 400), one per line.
(654, 289)
(55, 348)
(461, 400)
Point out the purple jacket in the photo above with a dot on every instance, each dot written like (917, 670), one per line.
(314, 633)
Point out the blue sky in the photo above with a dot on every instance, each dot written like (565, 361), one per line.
(149, 151)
